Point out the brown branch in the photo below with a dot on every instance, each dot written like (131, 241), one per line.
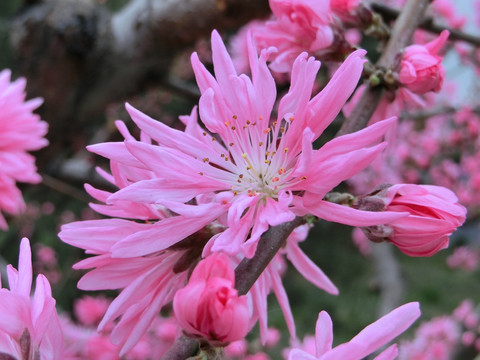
(183, 348)
(402, 32)
(248, 271)
(80, 57)
(427, 24)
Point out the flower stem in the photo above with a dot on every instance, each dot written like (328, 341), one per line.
(407, 22)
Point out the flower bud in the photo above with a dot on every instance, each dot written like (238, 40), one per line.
(421, 69)
(209, 306)
(434, 214)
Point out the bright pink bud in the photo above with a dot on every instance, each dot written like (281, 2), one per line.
(434, 213)
(209, 306)
(421, 69)
(343, 6)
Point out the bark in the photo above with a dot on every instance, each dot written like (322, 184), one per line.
(80, 57)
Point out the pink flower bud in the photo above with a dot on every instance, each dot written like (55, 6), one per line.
(209, 306)
(433, 214)
(421, 69)
(343, 6)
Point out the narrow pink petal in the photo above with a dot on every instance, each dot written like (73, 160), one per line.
(387, 328)
(282, 299)
(357, 140)
(222, 62)
(327, 104)
(205, 80)
(297, 354)
(323, 334)
(309, 269)
(115, 151)
(436, 44)
(350, 216)
(154, 190)
(24, 281)
(163, 234)
(166, 136)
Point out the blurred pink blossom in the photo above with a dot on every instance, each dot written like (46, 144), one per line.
(463, 258)
(89, 310)
(29, 326)
(20, 131)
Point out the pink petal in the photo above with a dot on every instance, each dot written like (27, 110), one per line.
(350, 216)
(323, 334)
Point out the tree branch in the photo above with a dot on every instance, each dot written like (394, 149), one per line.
(427, 24)
(248, 271)
(402, 32)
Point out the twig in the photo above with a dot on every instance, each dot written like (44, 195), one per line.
(402, 32)
(248, 271)
(65, 188)
(183, 348)
(427, 24)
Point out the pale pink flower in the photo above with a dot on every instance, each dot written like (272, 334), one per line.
(446, 9)
(434, 340)
(463, 258)
(434, 214)
(29, 326)
(297, 26)
(20, 131)
(209, 307)
(344, 6)
(370, 339)
(421, 69)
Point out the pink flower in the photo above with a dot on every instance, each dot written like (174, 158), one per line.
(421, 69)
(463, 258)
(29, 326)
(20, 131)
(344, 7)
(434, 215)
(367, 341)
(298, 26)
(254, 173)
(219, 189)
(89, 310)
(209, 306)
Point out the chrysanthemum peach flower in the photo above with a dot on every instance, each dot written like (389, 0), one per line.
(29, 326)
(20, 131)
(297, 26)
(254, 173)
(220, 188)
(370, 339)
